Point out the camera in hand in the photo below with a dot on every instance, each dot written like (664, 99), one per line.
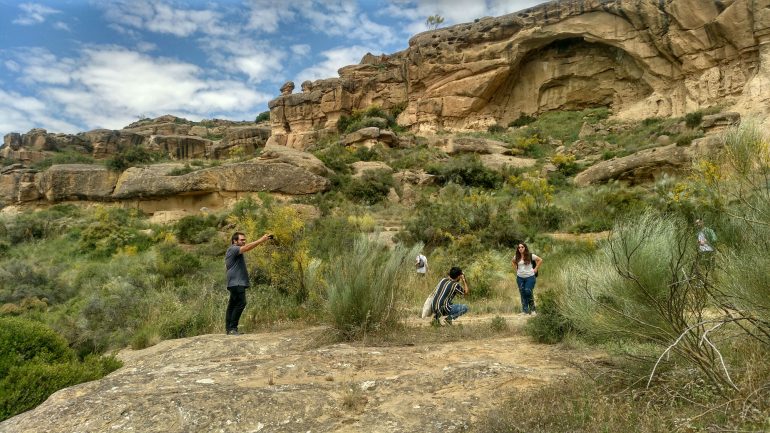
(270, 237)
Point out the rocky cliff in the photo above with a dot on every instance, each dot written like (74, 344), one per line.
(643, 58)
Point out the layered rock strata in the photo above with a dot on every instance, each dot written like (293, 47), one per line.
(643, 58)
(67, 182)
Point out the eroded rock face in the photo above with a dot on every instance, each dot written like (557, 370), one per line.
(643, 58)
(76, 182)
(287, 172)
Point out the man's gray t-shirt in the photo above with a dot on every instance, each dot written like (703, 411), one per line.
(237, 275)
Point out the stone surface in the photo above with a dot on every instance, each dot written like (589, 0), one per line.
(647, 165)
(642, 58)
(76, 182)
(296, 381)
(280, 154)
(154, 181)
(361, 167)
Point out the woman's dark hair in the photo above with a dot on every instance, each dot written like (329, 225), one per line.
(455, 272)
(527, 256)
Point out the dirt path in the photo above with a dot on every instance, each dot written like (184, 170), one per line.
(289, 382)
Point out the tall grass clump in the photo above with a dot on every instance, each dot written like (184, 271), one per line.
(645, 286)
(364, 287)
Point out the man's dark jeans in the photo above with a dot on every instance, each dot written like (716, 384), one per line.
(235, 307)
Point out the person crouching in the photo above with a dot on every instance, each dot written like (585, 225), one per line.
(446, 290)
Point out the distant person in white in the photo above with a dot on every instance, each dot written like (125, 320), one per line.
(706, 237)
(421, 263)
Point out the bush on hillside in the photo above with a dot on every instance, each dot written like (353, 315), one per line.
(371, 188)
(196, 229)
(465, 170)
(133, 156)
(35, 362)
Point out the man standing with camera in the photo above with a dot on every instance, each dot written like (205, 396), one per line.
(238, 278)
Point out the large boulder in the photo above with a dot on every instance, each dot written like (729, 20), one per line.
(272, 154)
(647, 164)
(361, 167)
(76, 182)
(253, 176)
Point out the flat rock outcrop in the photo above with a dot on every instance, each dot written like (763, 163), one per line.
(272, 154)
(291, 381)
(647, 164)
(642, 58)
(66, 182)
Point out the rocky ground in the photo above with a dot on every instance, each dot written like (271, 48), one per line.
(291, 381)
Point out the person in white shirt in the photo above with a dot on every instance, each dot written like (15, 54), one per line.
(422, 264)
(527, 265)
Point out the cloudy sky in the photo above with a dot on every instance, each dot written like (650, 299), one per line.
(76, 65)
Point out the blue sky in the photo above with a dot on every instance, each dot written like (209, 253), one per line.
(76, 65)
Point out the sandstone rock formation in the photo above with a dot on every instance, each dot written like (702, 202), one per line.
(647, 164)
(67, 182)
(643, 58)
(177, 138)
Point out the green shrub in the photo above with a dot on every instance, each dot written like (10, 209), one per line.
(522, 120)
(262, 117)
(687, 138)
(132, 156)
(365, 286)
(372, 187)
(466, 170)
(27, 385)
(196, 229)
(172, 262)
(67, 157)
(371, 116)
(453, 213)
(23, 340)
(495, 129)
(337, 157)
(35, 362)
(549, 326)
(694, 119)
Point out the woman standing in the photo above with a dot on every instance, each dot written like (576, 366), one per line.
(527, 265)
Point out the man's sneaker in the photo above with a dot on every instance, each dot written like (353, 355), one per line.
(448, 321)
(534, 313)
(233, 332)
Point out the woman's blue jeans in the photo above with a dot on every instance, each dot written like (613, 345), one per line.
(526, 289)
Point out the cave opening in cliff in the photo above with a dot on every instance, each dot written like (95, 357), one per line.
(569, 74)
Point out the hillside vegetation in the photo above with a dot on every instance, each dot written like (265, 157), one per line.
(686, 339)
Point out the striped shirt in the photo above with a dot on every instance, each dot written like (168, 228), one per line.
(446, 289)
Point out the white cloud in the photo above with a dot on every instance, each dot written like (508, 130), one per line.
(109, 87)
(453, 11)
(257, 60)
(20, 113)
(161, 17)
(267, 15)
(301, 49)
(33, 13)
(61, 25)
(334, 59)
(12, 66)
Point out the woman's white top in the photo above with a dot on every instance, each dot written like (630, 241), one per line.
(525, 270)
